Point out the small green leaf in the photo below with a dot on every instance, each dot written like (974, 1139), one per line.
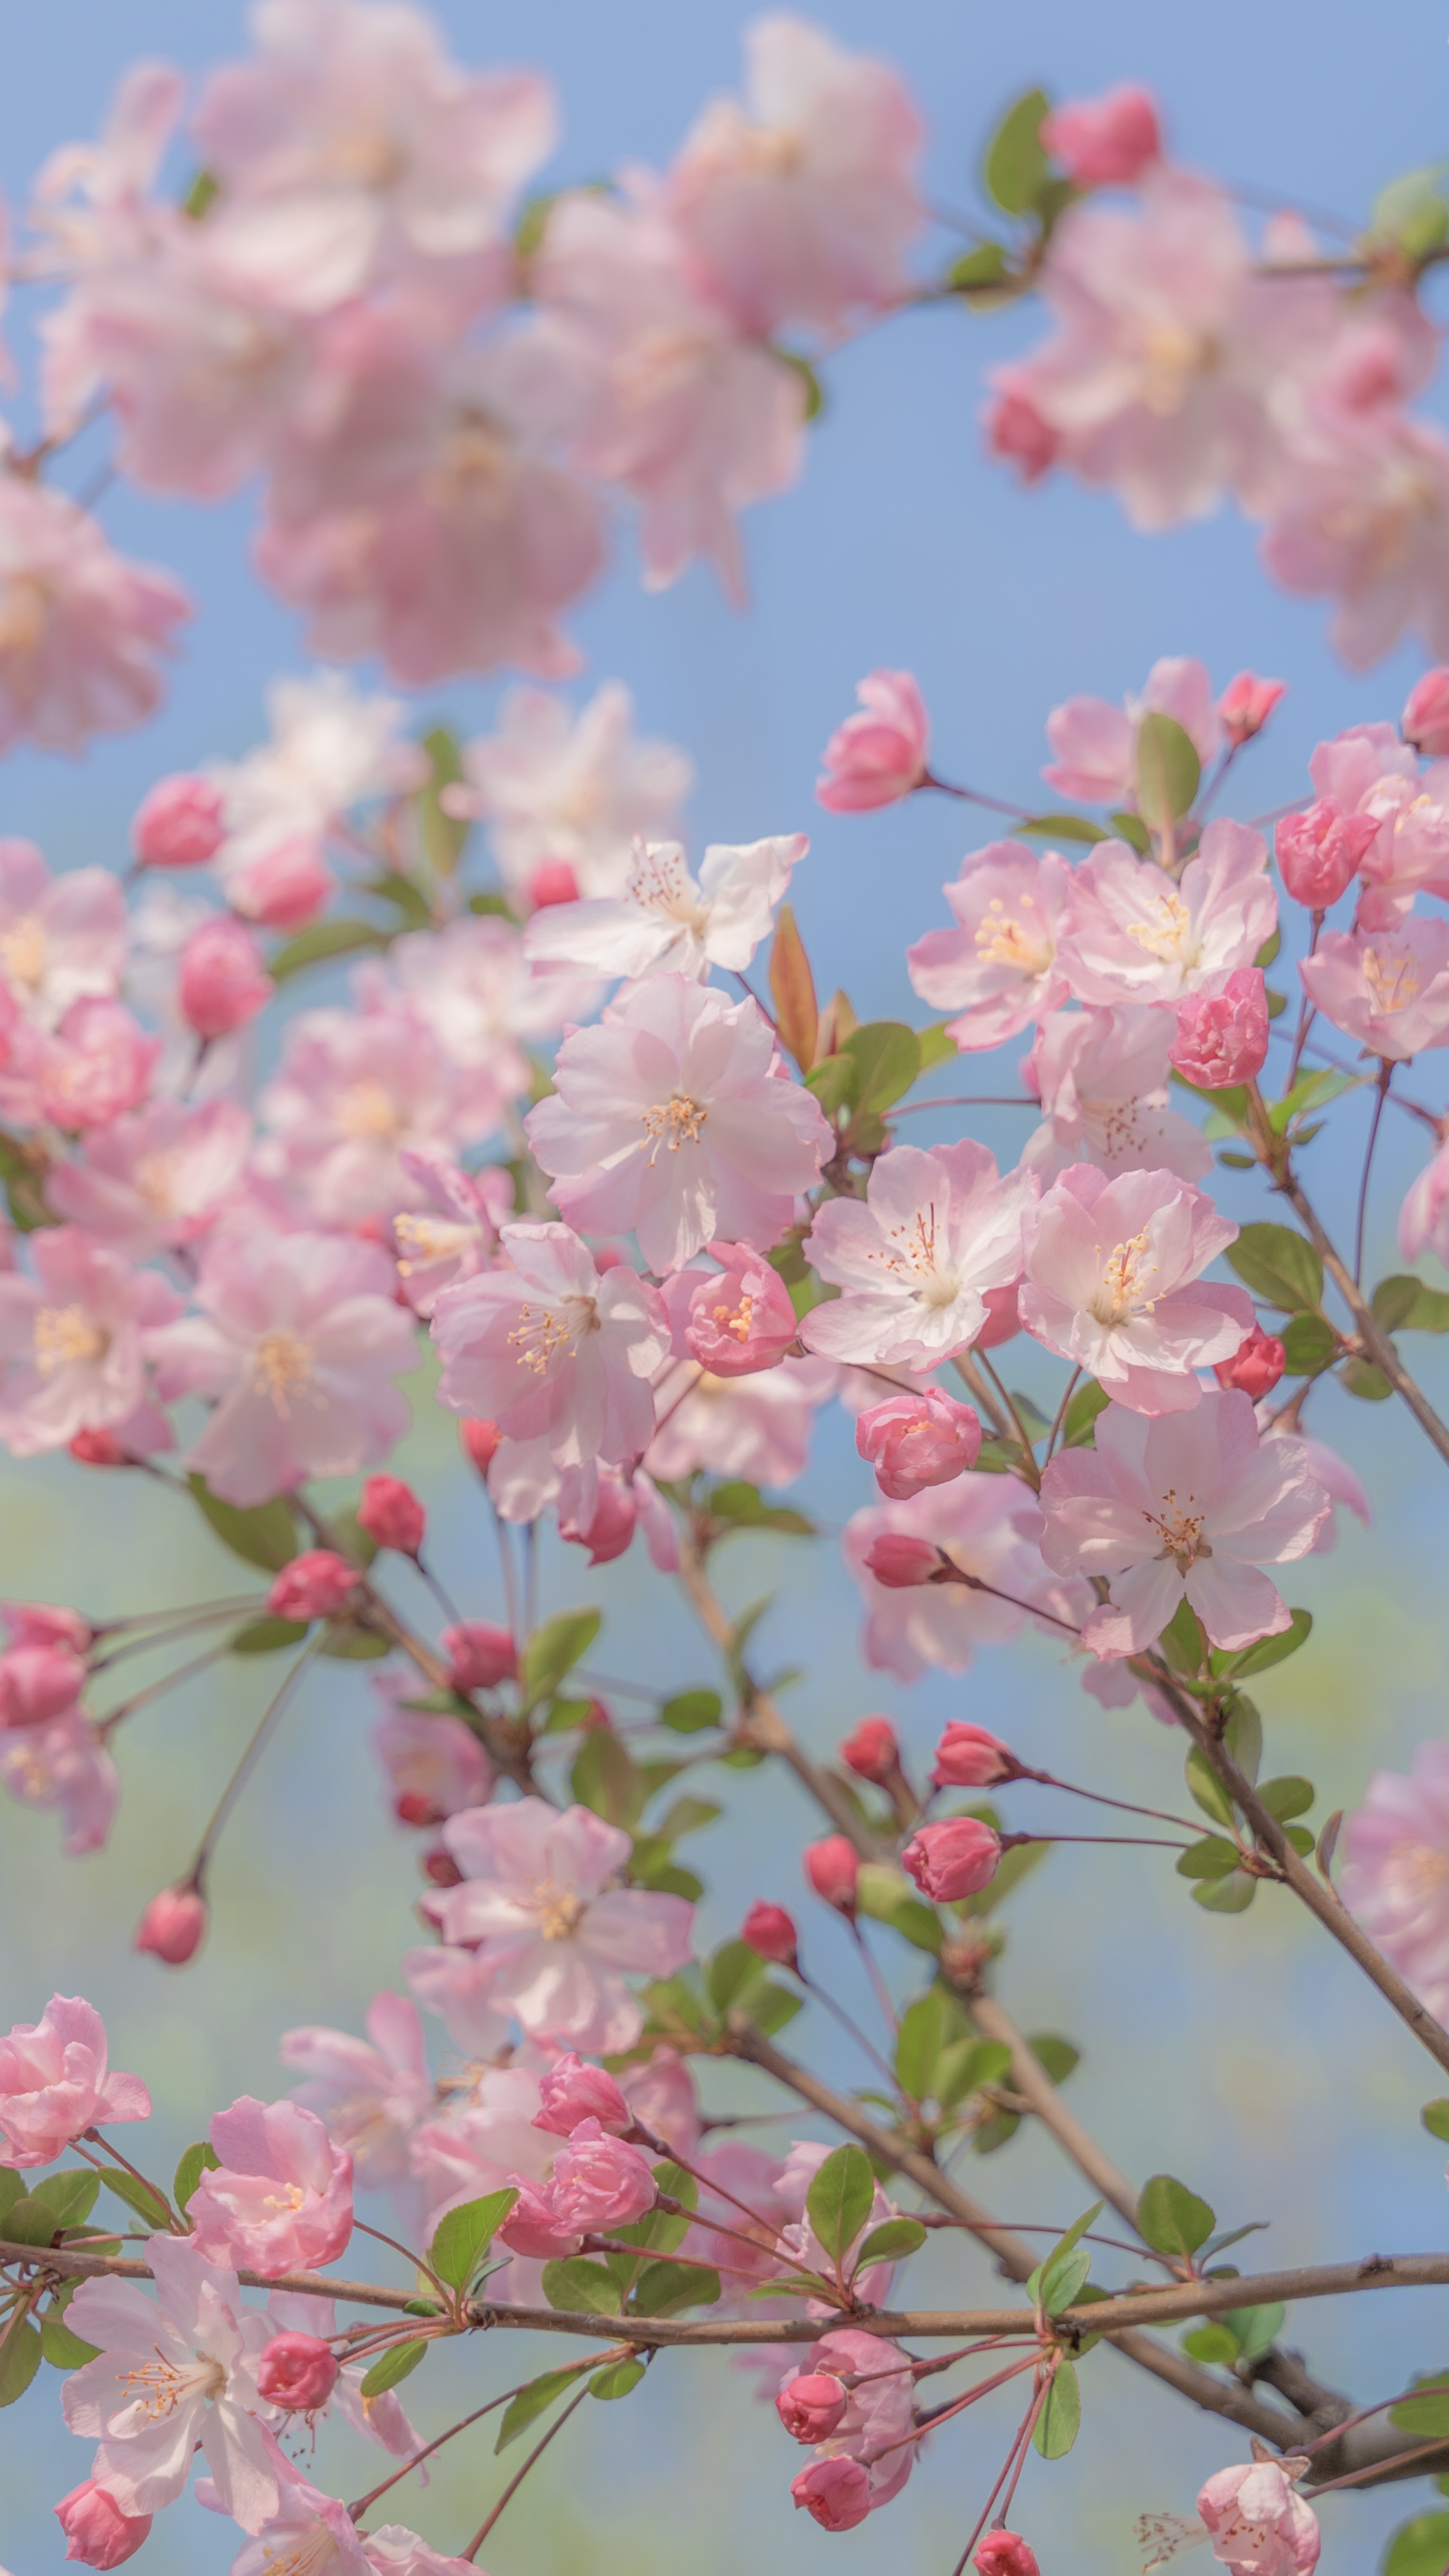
(731, 1972)
(1060, 827)
(1062, 2278)
(492, 907)
(1017, 168)
(399, 2360)
(690, 1712)
(1243, 1733)
(554, 1649)
(265, 1536)
(1420, 2547)
(1171, 2218)
(62, 2349)
(1255, 2328)
(1287, 1796)
(146, 2201)
(968, 2064)
(835, 1083)
(838, 2201)
(1268, 1650)
(1131, 829)
(604, 1778)
(347, 1641)
(1226, 1895)
(321, 940)
(1079, 1422)
(444, 836)
(996, 2133)
(1183, 1640)
(978, 270)
(742, 1503)
(887, 1058)
(201, 194)
(266, 1636)
(1278, 1265)
(937, 1046)
(1212, 2343)
(1054, 2055)
(1363, 1379)
(462, 2236)
(406, 898)
(616, 2379)
(531, 2402)
(579, 2284)
(1310, 1345)
(1403, 1304)
(72, 2194)
(1425, 2414)
(771, 2006)
(662, 2289)
(1207, 1790)
(1435, 2118)
(20, 2350)
(1060, 2419)
(11, 2190)
(922, 2035)
(31, 2221)
(891, 2242)
(1168, 770)
(1411, 213)
(1213, 1857)
(887, 1896)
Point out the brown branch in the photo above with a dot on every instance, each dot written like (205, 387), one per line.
(1377, 1343)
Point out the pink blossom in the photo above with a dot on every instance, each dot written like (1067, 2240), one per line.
(1425, 720)
(1388, 988)
(393, 2550)
(914, 1441)
(178, 823)
(1222, 1030)
(663, 922)
(474, 988)
(598, 2182)
(391, 1515)
(1005, 2553)
(878, 756)
(1424, 1216)
(73, 1343)
(313, 2530)
(1102, 1079)
(834, 2491)
(96, 2530)
(1366, 520)
(47, 1623)
(38, 1683)
(1096, 744)
(832, 1868)
(572, 2091)
(936, 1228)
(357, 1090)
(1360, 765)
(872, 1752)
(449, 1232)
(771, 1933)
(173, 1925)
(434, 1764)
(1256, 1365)
(735, 1320)
(64, 1765)
(298, 1339)
(997, 970)
(62, 939)
(81, 629)
(902, 1564)
(811, 2405)
(1134, 937)
(871, 2433)
(223, 982)
(1396, 1877)
(671, 1118)
(537, 1903)
(757, 1427)
(602, 1508)
(534, 2229)
(458, 1987)
(1333, 1473)
(156, 1179)
(96, 1065)
(292, 2315)
(967, 1757)
(369, 2094)
(1105, 142)
(1257, 2524)
(316, 1585)
(955, 1858)
(54, 2083)
(987, 1527)
(1321, 850)
(572, 791)
(1113, 1282)
(1191, 1504)
(297, 2372)
(1016, 428)
(303, 2222)
(329, 749)
(1246, 704)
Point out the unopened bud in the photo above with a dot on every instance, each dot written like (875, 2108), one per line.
(572, 2091)
(1005, 2553)
(956, 1858)
(180, 824)
(173, 1925)
(316, 1585)
(297, 2371)
(770, 1933)
(392, 1515)
(811, 2405)
(902, 1563)
(1256, 1365)
(480, 1440)
(967, 1757)
(872, 1752)
(98, 1449)
(479, 1656)
(1425, 720)
(223, 982)
(833, 1870)
(96, 2531)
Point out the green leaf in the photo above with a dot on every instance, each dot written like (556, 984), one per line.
(1131, 829)
(891, 2242)
(937, 1046)
(1183, 1641)
(966, 2065)
(1404, 1305)
(579, 2284)
(1256, 2328)
(887, 1896)
(996, 2133)
(323, 939)
(555, 1648)
(266, 1636)
(834, 1083)
(1226, 1895)
(1288, 1796)
(531, 2402)
(925, 2025)
(202, 193)
(1059, 2281)
(1080, 1419)
(398, 2362)
(1168, 770)
(1033, 1421)
(407, 898)
(462, 2236)
(493, 907)
(62, 2349)
(1411, 213)
(352, 1540)
(11, 2190)
(265, 1536)
(1212, 2343)
(690, 1712)
(20, 2350)
(838, 2201)
(1268, 1650)
(1310, 1345)
(887, 1058)
(72, 2194)
(731, 1973)
(444, 836)
(1243, 1733)
(736, 1500)
(1060, 827)
(978, 271)
(31, 2221)
(771, 2006)
(1278, 1265)
(616, 2379)
(1363, 1379)
(1425, 2414)
(1213, 1857)
(1059, 2421)
(347, 1641)
(1435, 2118)
(146, 2201)
(604, 1778)
(1311, 1091)
(662, 2289)
(1206, 1789)
(1171, 2218)
(1017, 168)
(1420, 2547)
(1054, 2055)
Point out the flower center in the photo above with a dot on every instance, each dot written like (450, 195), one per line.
(1392, 981)
(364, 156)
(658, 363)
(1180, 1530)
(734, 1319)
(23, 945)
(155, 1178)
(674, 1123)
(543, 1332)
(422, 1239)
(1125, 1274)
(1002, 940)
(913, 1259)
(64, 1335)
(308, 2555)
(1165, 928)
(766, 151)
(161, 2387)
(1115, 1127)
(25, 605)
(658, 883)
(560, 1911)
(367, 1109)
(282, 1367)
(474, 469)
(1172, 354)
(1421, 1870)
(282, 2202)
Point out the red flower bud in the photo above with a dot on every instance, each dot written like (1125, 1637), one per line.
(479, 1656)
(1425, 720)
(811, 2406)
(96, 2530)
(901, 1563)
(98, 1449)
(316, 1585)
(1256, 1365)
(956, 1858)
(770, 1932)
(968, 1758)
(480, 1439)
(832, 1869)
(872, 1752)
(179, 824)
(173, 1925)
(391, 1513)
(1005, 2553)
(298, 2371)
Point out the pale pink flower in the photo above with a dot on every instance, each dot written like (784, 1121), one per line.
(985, 1525)
(62, 939)
(1359, 764)
(734, 1321)
(54, 2083)
(73, 1344)
(789, 2189)
(1321, 850)
(557, 789)
(39, 1681)
(172, 2372)
(307, 2530)
(1257, 2524)
(223, 981)
(665, 922)
(330, 749)
(1189, 1505)
(878, 756)
(998, 968)
(1095, 744)
(869, 2434)
(64, 1765)
(483, 2137)
(1396, 1878)
(178, 823)
(937, 1226)
(598, 2181)
(96, 2531)
(1425, 720)
(757, 1427)
(434, 1764)
(458, 1987)
(915, 1441)
(1424, 1216)
(1222, 1030)
(298, 1340)
(1344, 1489)
(1113, 1283)
(155, 1180)
(1105, 142)
(95, 1066)
(1374, 779)
(448, 1231)
(1367, 521)
(393, 2550)
(537, 1903)
(801, 205)
(111, 177)
(1102, 1079)
(369, 2094)
(356, 1090)
(672, 1118)
(474, 988)
(1132, 936)
(1246, 704)
(81, 628)
(1388, 988)
(693, 418)
(281, 2198)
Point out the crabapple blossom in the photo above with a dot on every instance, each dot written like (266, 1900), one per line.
(456, 1985)
(54, 2083)
(356, 1090)
(997, 970)
(1425, 720)
(879, 2409)
(81, 629)
(96, 2530)
(1364, 520)
(758, 1427)
(979, 1525)
(317, 1585)
(393, 2550)
(771, 1934)
(598, 2181)
(39, 1683)
(937, 1227)
(1257, 2524)
(173, 1925)
(1188, 1505)
(1113, 1283)
(665, 922)
(154, 1178)
(1102, 1080)
(903, 1563)
(537, 1904)
(602, 1508)
(832, 1868)
(62, 939)
(434, 1764)
(1222, 1030)
(480, 1656)
(223, 982)
(1246, 704)
(572, 2091)
(391, 1515)
(1131, 936)
(1005, 2553)
(1422, 1218)
(298, 1339)
(811, 2405)
(96, 1065)
(1388, 988)
(64, 1765)
(1095, 744)
(671, 1118)
(871, 1751)
(476, 991)
(834, 2491)
(967, 1757)
(73, 1344)
(1255, 1366)
(369, 2094)
(1396, 1873)
(1105, 142)
(1334, 1474)
(303, 2221)
(955, 1858)
(449, 1231)
(179, 823)
(569, 791)
(736, 1320)
(308, 2528)
(297, 2372)
(914, 1441)
(878, 756)
(1321, 850)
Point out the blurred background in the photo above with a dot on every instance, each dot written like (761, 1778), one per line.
(1243, 2054)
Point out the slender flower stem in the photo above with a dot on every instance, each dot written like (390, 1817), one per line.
(1013, 1416)
(187, 1626)
(872, 1968)
(448, 1607)
(253, 1754)
(364, 2504)
(1061, 1413)
(970, 1100)
(970, 796)
(1386, 1075)
(530, 1577)
(417, 2260)
(820, 1995)
(1099, 1798)
(115, 1717)
(505, 1559)
(514, 2483)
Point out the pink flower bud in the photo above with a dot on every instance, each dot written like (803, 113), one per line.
(38, 1683)
(878, 756)
(742, 1321)
(610, 1531)
(811, 2406)
(872, 1752)
(968, 1758)
(1256, 1365)
(1105, 142)
(96, 2530)
(1003, 1321)
(958, 1857)
(572, 2091)
(1222, 1035)
(835, 2491)
(901, 1563)
(1425, 720)
(1246, 704)
(48, 1623)
(98, 1449)
(316, 1585)
(479, 1657)
(414, 1807)
(1017, 430)
(1320, 851)
(480, 1439)
(284, 886)
(833, 1869)
(172, 1925)
(533, 2227)
(597, 2182)
(391, 1513)
(223, 981)
(553, 882)
(179, 825)
(298, 2371)
(771, 1933)
(440, 1866)
(913, 1441)
(1005, 2553)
